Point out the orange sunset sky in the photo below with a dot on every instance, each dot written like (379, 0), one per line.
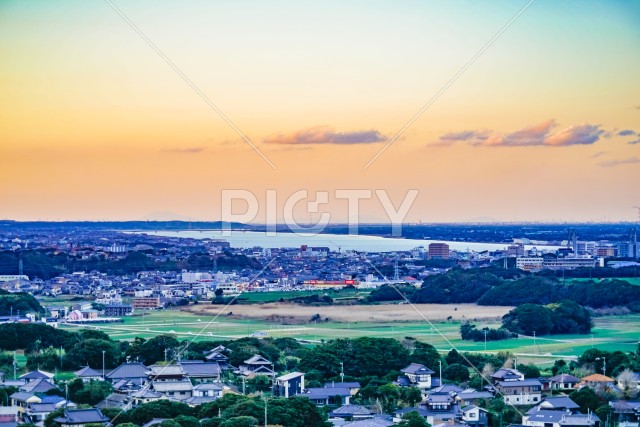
(543, 126)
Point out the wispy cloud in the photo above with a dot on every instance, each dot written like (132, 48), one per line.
(325, 135)
(626, 132)
(614, 163)
(541, 134)
(187, 150)
(598, 154)
(637, 141)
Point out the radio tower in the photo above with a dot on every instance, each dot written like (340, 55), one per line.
(396, 271)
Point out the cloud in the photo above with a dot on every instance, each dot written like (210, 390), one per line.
(626, 132)
(465, 135)
(188, 150)
(614, 163)
(598, 154)
(637, 141)
(541, 134)
(325, 135)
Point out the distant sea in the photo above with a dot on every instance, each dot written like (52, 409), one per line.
(335, 242)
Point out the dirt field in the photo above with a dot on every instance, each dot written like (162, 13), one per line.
(291, 313)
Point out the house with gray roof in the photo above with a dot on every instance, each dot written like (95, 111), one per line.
(81, 417)
(199, 371)
(520, 392)
(133, 371)
(87, 374)
(40, 385)
(419, 376)
(563, 382)
(327, 395)
(352, 412)
(550, 418)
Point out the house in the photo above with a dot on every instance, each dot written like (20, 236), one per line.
(134, 373)
(352, 413)
(289, 385)
(633, 382)
(475, 416)
(520, 392)
(377, 421)
(256, 365)
(81, 417)
(563, 382)
(507, 374)
(145, 396)
(216, 355)
(597, 381)
(36, 375)
(22, 399)
(198, 371)
(626, 410)
(419, 376)
(40, 385)
(550, 418)
(174, 389)
(472, 397)
(8, 416)
(438, 408)
(353, 386)
(115, 400)
(327, 395)
(88, 374)
(37, 412)
(204, 393)
(560, 403)
(118, 310)
(166, 373)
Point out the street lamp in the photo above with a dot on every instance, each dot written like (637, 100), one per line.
(440, 364)
(604, 364)
(103, 351)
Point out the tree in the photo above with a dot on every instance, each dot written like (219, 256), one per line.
(626, 379)
(153, 350)
(260, 383)
(89, 393)
(528, 319)
(425, 354)
(88, 352)
(410, 395)
(529, 371)
(456, 372)
(413, 419)
(586, 398)
(187, 421)
(242, 421)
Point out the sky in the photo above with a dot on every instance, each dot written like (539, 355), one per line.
(114, 110)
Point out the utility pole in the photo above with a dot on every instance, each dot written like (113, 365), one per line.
(15, 365)
(265, 410)
(440, 363)
(103, 352)
(341, 372)
(485, 338)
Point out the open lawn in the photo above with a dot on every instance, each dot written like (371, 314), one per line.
(609, 333)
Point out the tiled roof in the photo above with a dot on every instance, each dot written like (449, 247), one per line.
(87, 372)
(325, 393)
(36, 375)
(352, 384)
(165, 386)
(564, 378)
(40, 385)
(289, 376)
(415, 368)
(349, 410)
(521, 383)
(193, 369)
(82, 416)
(128, 370)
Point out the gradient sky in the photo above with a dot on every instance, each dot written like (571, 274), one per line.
(95, 125)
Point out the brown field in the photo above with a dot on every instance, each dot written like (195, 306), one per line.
(295, 313)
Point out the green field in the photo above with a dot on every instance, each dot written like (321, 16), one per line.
(266, 297)
(609, 333)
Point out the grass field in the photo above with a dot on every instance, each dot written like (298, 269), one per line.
(609, 333)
